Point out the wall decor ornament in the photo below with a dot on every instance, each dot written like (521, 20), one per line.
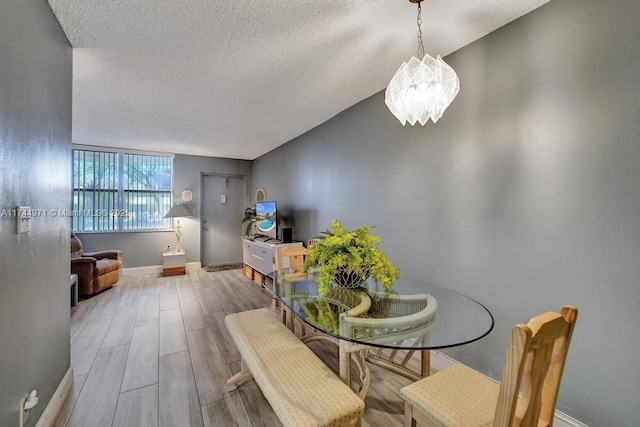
(187, 195)
(261, 195)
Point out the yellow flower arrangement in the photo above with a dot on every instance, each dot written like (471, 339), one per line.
(350, 253)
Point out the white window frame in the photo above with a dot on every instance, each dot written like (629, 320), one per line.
(111, 214)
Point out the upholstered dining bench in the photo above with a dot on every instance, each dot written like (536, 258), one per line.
(300, 388)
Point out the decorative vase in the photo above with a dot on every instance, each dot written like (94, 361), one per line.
(351, 280)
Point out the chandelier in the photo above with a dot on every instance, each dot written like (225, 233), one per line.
(421, 89)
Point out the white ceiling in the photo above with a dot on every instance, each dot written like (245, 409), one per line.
(238, 78)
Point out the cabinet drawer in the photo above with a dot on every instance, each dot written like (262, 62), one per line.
(262, 260)
(258, 256)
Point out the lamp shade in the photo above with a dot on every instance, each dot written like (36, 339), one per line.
(178, 211)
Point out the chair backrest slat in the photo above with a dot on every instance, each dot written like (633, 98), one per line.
(295, 256)
(535, 360)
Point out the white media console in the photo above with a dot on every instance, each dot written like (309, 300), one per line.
(260, 257)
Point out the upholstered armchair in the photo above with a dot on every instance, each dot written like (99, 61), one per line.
(96, 270)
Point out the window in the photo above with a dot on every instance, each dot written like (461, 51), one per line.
(119, 191)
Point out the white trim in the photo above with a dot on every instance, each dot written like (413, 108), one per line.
(193, 266)
(157, 269)
(55, 405)
(563, 420)
(441, 361)
(119, 150)
(135, 271)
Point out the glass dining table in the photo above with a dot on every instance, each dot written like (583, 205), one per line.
(370, 324)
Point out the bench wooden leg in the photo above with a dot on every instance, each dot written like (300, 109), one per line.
(240, 378)
(345, 363)
(289, 320)
(409, 421)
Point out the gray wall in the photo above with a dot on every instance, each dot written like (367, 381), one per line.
(145, 249)
(35, 133)
(524, 196)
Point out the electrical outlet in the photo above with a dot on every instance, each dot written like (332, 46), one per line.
(26, 404)
(24, 414)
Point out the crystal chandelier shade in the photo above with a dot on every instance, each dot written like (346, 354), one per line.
(421, 90)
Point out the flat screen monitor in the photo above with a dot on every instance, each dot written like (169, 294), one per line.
(267, 219)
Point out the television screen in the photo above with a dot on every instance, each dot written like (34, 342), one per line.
(266, 219)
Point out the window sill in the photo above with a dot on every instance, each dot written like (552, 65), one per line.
(165, 230)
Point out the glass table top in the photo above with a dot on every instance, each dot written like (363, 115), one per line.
(412, 315)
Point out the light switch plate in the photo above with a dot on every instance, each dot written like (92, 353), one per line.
(23, 217)
(223, 198)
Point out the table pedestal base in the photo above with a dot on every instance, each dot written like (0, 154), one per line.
(396, 361)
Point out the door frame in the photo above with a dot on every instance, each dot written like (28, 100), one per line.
(245, 199)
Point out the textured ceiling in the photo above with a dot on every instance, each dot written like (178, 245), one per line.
(238, 78)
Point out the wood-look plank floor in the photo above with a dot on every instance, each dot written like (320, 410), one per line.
(154, 351)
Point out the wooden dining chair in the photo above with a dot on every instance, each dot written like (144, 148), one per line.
(291, 264)
(460, 396)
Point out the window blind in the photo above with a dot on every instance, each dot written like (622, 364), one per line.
(119, 191)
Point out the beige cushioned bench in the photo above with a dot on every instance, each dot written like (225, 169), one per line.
(301, 389)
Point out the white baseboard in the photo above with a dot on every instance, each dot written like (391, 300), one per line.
(54, 406)
(156, 269)
(440, 361)
(135, 271)
(563, 420)
(193, 266)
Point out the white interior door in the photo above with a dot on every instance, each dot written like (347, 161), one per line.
(221, 219)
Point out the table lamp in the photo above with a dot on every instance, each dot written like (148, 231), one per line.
(178, 211)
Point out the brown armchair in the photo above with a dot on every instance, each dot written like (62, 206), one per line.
(96, 270)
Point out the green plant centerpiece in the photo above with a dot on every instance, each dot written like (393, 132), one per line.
(348, 258)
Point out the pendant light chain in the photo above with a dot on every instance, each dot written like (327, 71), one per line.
(420, 46)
